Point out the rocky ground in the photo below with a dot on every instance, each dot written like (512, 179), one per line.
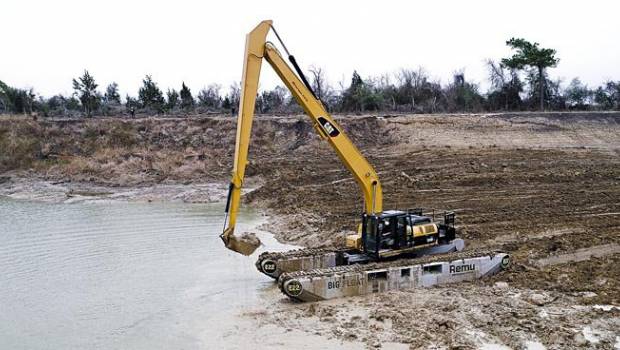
(544, 187)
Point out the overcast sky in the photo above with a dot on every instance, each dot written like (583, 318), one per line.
(47, 43)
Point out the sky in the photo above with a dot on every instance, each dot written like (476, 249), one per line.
(47, 43)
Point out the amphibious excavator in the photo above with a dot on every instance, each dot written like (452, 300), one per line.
(392, 249)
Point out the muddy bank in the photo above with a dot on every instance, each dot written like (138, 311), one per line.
(543, 187)
(67, 191)
(470, 316)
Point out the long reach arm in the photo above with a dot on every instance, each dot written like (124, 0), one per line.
(256, 48)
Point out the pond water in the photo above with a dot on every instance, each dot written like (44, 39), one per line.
(116, 275)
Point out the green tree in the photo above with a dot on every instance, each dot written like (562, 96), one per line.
(210, 96)
(226, 103)
(552, 94)
(353, 96)
(602, 99)
(234, 95)
(17, 100)
(131, 102)
(462, 95)
(577, 94)
(361, 95)
(60, 105)
(57, 103)
(150, 96)
(73, 104)
(272, 101)
(530, 55)
(187, 101)
(173, 99)
(86, 91)
(608, 95)
(4, 98)
(111, 94)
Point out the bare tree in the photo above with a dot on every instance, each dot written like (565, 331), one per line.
(497, 74)
(318, 81)
(387, 89)
(505, 85)
(411, 84)
(323, 90)
(234, 95)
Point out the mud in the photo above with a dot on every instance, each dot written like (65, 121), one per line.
(467, 316)
(582, 254)
(537, 186)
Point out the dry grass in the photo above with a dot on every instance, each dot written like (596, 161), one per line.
(19, 146)
(121, 151)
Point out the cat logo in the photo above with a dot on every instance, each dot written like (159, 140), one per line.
(329, 128)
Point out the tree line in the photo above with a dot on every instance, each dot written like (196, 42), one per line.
(517, 83)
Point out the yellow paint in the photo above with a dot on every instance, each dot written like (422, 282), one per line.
(424, 230)
(256, 49)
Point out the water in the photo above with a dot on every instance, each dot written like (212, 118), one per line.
(120, 275)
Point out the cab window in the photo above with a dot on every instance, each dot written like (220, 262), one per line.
(371, 227)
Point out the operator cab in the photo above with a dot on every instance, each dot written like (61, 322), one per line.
(395, 232)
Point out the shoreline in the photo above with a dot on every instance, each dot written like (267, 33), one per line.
(541, 187)
(68, 191)
(253, 319)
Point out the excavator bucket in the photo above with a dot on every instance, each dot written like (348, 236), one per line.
(245, 244)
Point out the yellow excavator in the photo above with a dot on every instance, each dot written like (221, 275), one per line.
(382, 235)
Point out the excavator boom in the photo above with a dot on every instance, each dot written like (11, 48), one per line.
(256, 49)
(393, 250)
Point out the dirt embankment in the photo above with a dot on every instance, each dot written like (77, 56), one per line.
(544, 187)
(116, 151)
(186, 159)
(536, 186)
